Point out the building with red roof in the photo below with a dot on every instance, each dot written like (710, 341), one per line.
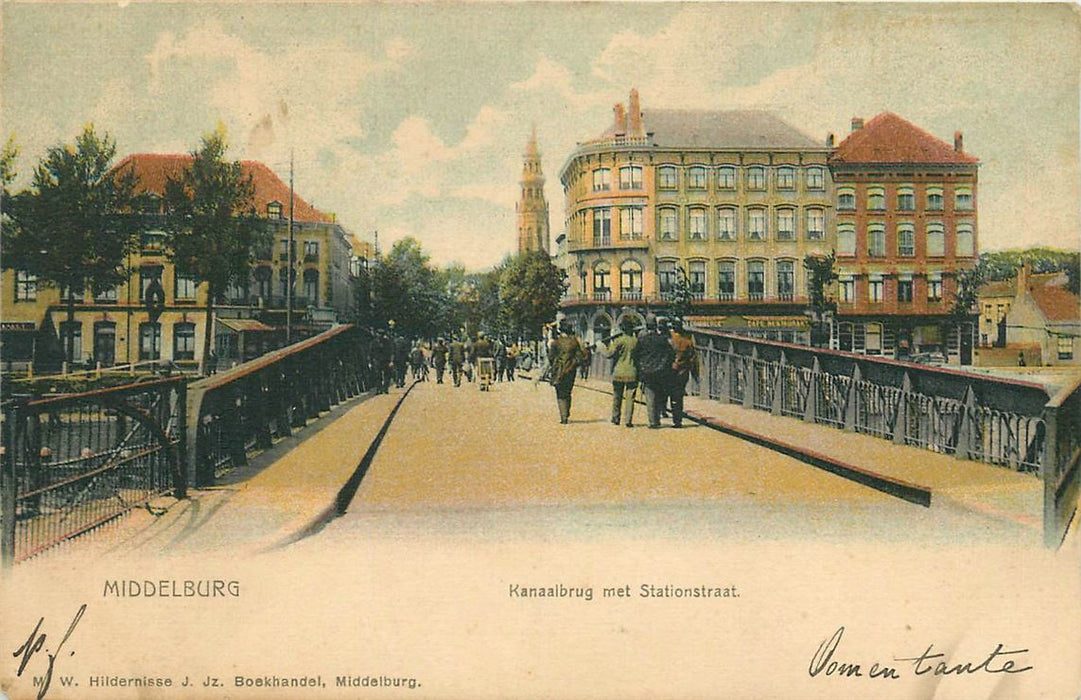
(906, 224)
(1045, 319)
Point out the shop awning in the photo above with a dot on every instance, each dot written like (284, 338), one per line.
(244, 325)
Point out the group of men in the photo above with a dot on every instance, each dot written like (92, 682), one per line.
(660, 360)
(392, 354)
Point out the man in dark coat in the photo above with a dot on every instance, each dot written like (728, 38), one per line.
(653, 357)
(439, 359)
(457, 357)
(684, 365)
(566, 352)
(382, 352)
(401, 359)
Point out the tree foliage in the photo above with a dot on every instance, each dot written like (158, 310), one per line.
(821, 273)
(680, 296)
(530, 289)
(405, 289)
(211, 226)
(74, 227)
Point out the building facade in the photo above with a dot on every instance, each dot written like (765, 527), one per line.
(732, 200)
(906, 224)
(531, 211)
(116, 327)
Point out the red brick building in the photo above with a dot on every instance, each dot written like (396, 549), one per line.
(906, 207)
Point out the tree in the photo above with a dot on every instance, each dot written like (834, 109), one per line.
(680, 295)
(211, 227)
(75, 226)
(530, 290)
(820, 274)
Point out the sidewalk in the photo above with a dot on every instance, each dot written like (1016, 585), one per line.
(915, 474)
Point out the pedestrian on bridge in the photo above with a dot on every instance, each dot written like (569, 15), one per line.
(620, 349)
(439, 359)
(684, 366)
(401, 359)
(457, 357)
(565, 353)
(653, 357)
(382, 351)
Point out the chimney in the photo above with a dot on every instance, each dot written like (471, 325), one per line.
(958, 142)
(620, 126)
(829, 140)
(634, 128)
(1022, 276)
(857, 124)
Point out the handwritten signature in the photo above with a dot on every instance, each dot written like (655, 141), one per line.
(36, 641)
(934, 663)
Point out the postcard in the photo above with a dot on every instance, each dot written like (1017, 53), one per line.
(540, 350)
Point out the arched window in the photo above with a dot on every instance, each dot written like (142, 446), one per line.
(669, 228)
(726, 280)
(696, 278)
(816, 224)
(311, 287)
(962, 199)
(697, 225)
(756, 224)
(667, 274)
(846, 239)
(726, 224)
(936, 240)
(816, 178)
(965, 240)
(756, 279)
(602, 285)
(696, 177)
(630, 281)
(726, 177)
(786, 224)
(756, 177)
(602, 327)
(846, 199)
(906, 240)
(876, 199)
(786, 280)
(934, 199)
(630, 177)
(183, 341)
(906, 198)
(876, 240)
(667, 177)
(786, 178)
(602, 180)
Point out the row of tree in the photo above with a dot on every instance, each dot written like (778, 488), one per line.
(76, 223)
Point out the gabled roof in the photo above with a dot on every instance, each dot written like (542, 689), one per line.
(889, 139)
(744, 129)
(153, 169)
(1056, 302)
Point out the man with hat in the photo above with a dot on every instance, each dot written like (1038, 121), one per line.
(624, 374)
(683, 366)
(653, 356)
(565, 353)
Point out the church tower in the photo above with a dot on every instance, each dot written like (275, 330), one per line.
(532, 208)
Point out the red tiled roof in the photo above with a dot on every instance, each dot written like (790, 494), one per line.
(890, 139)
(153, 169)
(1056, 302)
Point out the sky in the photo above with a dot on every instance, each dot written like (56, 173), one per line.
(411, 119)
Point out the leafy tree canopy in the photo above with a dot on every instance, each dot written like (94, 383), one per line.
(530, 289)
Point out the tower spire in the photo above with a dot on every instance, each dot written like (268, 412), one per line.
(532, 208)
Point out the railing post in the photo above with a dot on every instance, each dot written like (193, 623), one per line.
(966, 429)
(724, 392)
(750, 381)
(900, 417)
(180, 476)
(12, 413)
(852, 401)
(810, 406)
(1049, 475)
(779, 386)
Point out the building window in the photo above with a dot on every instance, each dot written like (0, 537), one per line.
(934, 287)
(667, 275)
(76, 294)
(284, 282)
(696, 178)
(602, 227)
(311, 287)
(74, 331)
(726, 224)
(602, 289)
(696, 276)
(105, 343)
(816, 225)
(756, 177)
(283, 249)
(630, 223)
(786, 224)
(846, 240)
(904, 290)
(876, 199)
(846, 289)
(669, 224)
(846, 199)
(726, 280)
(184, 341)
(906, 240)
(1065, 347)
(106, 296)
(630, 177)
(274, 210)
(756, 280)
(149, 341)
(602, 180)
(756, 224)
(934, 199)
(963, 199)
(936, 241)
(876, 241)
(815, 178)
(965, 240)
(906, 198)
(786, 280)
(262, 277)
(667, 177)
(26, 286)
(697, 221)
(148, 274)
(874, 289)
(872, 339)
(726, 178)
(184, 287)
(786, 178)
(311, 251)
(630, 281)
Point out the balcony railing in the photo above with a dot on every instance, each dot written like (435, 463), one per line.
(630, 294)
(602, 240)
(602, 295)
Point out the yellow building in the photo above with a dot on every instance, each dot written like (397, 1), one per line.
(732, 199)
(116, 327)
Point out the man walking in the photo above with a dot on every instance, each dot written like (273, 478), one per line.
(653, 357)
(457, 360)
(382, 351)
(439, 359)
(565, 353)
(683, 366)
(624, 374)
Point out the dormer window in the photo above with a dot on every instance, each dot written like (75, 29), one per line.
(274, 210)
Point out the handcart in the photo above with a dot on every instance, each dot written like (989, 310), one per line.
(485, 372)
